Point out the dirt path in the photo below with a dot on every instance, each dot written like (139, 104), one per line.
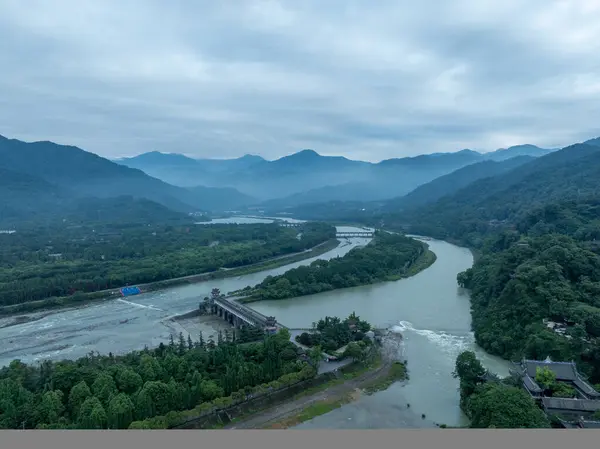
(295, 406)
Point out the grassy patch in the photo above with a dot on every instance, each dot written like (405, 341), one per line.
(310, 412)
(396, 373)
(350, 372)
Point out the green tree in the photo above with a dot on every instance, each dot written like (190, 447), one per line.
(50, 408)
(79, 393)
(121, 411)
(104, 387)
(209, 390)
(129, 381)
(155, 398)
(504, 407)
(16, 404)
(545, 377)
(469, 371)
(315, 355)
(354, 351)
(92, 414)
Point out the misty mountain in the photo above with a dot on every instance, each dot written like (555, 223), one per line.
(76, 173)
(184, 171)
(594, 142)
(394, 178)
(568, 174)
(28, 199)
(221, 198)
(308, 177)
(503, 154)
(453, 182)
(459, 158)
(22, 195)
(87, 174)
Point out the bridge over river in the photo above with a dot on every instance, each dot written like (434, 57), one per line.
(238, 315)
(341, 234)
(364, 234)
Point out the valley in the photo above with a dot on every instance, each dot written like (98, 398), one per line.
(537, 262)
(299, 215)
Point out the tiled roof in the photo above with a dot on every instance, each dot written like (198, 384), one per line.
(563, 370)
(531, 385)
(591, 424)
(583, 405)
(586, 388)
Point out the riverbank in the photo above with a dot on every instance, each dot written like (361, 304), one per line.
(423, 262)
(85, 299)
(355, 381)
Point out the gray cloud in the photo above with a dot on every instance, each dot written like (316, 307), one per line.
(369, 80)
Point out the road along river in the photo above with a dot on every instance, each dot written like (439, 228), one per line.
(429, 309)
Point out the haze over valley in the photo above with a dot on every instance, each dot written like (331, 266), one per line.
(276, 215)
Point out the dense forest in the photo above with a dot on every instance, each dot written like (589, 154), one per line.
(57, 261)
(523, 283)
(153, 388)
(453, 182)
(498, 202)
(490, 402)
(386, 257)
(536, 281)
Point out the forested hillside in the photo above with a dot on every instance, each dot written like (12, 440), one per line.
(453, 182)
(499, 201)
(50, 175)
(535, 286)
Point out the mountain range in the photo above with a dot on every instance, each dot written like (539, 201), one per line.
(465, 184)
(307, 176)
(569, 174)
(42, 178)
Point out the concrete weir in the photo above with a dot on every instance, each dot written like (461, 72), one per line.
(239, 315)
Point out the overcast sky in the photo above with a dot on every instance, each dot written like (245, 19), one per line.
(365, 79)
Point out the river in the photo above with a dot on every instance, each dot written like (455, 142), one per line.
(121, 325)
(432, 313)
(429, 309)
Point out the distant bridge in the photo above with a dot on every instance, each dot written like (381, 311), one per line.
(355, 234)
(287, 224)
(345, 234)
(238, 315)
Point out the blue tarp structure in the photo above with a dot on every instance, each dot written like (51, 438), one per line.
(130, 291)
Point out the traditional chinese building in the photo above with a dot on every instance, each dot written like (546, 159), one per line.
(564, 371)
(577, 411)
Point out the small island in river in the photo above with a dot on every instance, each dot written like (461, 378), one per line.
(388, 257)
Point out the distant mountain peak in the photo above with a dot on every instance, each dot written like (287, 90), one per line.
(255, 157)
(307, 153)
(525, 146)
(303, 155)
